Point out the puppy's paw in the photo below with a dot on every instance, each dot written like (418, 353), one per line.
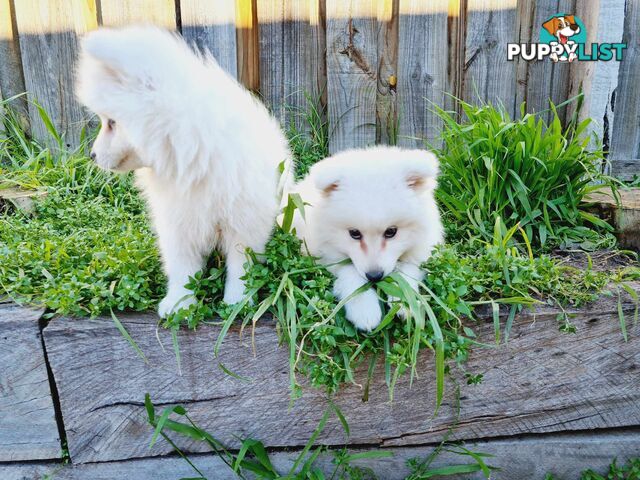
(233, 291)
(174, 301)
(364, 311)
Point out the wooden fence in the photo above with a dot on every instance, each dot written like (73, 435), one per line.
(373, 66)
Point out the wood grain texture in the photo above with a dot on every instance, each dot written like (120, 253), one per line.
(542, 381)
(292, 57)
(488, 77)
(422, 70)
(11, 77)
(116, 13)
(352, 68)
(625, 141)
(541, 81)
(521, 459)
(211, 25)
(28, 429)
(604, 22)
(387, 78)
(247, 41)
(48, 34)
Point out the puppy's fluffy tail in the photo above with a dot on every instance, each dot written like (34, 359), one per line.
(144, 61)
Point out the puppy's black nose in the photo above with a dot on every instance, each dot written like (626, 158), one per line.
(93, 155)
(374, 275)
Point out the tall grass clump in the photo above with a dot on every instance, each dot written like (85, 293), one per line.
(524, 171)
(308, 134)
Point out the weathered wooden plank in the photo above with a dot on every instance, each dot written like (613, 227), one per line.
(211, 25)
(247, 41)
(604, 22)
(28, 428)
(292, 54)
(518, 459)
(115, 13)
(423, 77)
(542, 381)
(625, 141)
(527, 458)
(2, 114)
(11, 78)
(488, 77)
(386, 99)
(541, 81)
(48, 32)
(626, 169)
(625, 216)
(352, 67)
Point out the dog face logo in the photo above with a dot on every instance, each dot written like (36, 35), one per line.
(563, 33)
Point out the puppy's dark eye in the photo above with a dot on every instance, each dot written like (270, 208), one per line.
(355, 234)
(111, 124)
(390, 232)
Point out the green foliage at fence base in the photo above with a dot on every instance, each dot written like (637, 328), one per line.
(522, 171)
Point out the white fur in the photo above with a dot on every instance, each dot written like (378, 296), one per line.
(205, 151)
(371, 190)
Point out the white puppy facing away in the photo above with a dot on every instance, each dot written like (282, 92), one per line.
(205, 151)
(376, 207)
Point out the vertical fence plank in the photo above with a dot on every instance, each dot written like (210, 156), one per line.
(273, 56)
(604, 22)
(48, 34)
(11, 78)
(386, 101)
(488, 76)
(292, 54)
(541, 81)
(115, 13)
(248, 59)
(422, 69)
(625, 145)
(2, 114)
(211, 25)
(456, 40)
(351, 73)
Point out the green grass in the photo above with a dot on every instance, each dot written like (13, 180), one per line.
(522, 171)
(629, 470)
(311, 143)
(87, 249)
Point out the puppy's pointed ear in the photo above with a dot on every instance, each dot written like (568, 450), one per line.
(571, 19)
(104, 49)
(327, 180)
(421, 171)
(551, 25)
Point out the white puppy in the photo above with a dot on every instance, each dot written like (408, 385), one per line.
(376, 207)
(205, 151)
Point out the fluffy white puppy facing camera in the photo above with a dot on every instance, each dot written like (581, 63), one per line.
(376, 207)
(182, 123)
